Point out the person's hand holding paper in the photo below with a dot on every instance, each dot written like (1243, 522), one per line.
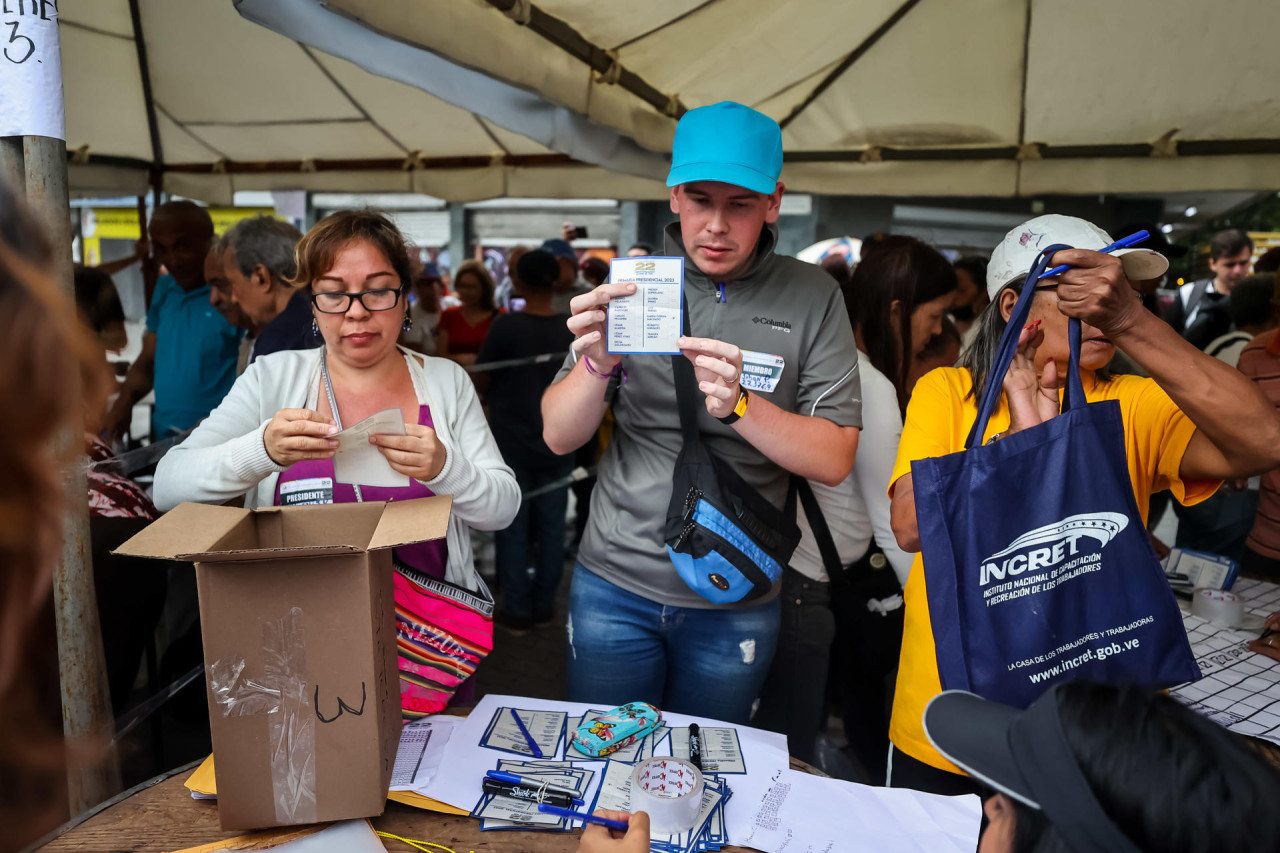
(590, 312)
(298, 435)
(718, 368)
(416, 453)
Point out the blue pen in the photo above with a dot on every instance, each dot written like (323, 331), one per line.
(537, 753)
(582, 816)
(1119, 244)
(531, 784)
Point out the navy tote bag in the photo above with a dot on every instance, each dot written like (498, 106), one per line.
(1036, 561)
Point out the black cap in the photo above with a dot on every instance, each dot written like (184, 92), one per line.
(538, 270)
(1026, 755)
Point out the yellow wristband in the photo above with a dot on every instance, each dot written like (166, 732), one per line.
(739, 410)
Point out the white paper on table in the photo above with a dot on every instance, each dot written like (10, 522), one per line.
(31, 71)
(357, 461)
(1238, 688)
(465, 762)
(545, 727)
(348, 836)
(648, 321)
(721, 752)
(422, 744)
(798, 811)
(615, 787)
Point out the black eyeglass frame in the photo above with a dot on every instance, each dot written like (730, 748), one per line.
(358, 297)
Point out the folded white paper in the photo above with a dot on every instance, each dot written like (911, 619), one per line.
(359, 462)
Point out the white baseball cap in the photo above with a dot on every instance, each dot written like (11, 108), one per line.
(1012, 259)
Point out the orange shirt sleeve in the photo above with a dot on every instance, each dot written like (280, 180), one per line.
(1158, 436)
(927, 428)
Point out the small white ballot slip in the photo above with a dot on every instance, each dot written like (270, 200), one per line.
(649, 320)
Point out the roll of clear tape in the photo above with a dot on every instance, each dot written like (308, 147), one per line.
(670, 790)
(1222, 608)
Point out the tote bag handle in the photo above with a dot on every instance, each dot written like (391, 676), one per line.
(1072, 398)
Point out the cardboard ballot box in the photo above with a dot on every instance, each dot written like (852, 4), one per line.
(298, 618)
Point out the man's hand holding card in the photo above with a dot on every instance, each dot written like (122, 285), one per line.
(590, 312)
(718, 368)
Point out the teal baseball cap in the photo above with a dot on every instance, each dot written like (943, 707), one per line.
(730, 143)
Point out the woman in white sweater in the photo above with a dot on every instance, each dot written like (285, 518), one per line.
(896, 298)
(270, 438)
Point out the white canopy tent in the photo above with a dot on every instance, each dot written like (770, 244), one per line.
(192, 91)
(902, 97)
(470, 99)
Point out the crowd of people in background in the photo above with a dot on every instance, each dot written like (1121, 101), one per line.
(228, 300)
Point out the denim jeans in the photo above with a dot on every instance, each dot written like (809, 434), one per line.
(519, 597)
(625, 648)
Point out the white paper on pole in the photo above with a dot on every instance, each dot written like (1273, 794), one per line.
(30, 70)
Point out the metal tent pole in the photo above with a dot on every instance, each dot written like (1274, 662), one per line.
(92, 774)
(33, 159)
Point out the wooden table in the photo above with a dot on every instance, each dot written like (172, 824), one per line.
(163, 817)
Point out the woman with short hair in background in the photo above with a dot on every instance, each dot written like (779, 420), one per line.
(463, 328)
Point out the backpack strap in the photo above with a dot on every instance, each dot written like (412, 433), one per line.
(686, 387)
(821, 532)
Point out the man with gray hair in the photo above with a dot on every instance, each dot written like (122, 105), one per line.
(259, 261)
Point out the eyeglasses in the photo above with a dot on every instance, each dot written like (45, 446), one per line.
(372, 300)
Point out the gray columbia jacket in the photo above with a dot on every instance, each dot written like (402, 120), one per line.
(782, 308)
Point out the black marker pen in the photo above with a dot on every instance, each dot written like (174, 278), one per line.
(531, 795)
(695, 746)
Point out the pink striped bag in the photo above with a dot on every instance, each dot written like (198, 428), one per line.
(442, 633)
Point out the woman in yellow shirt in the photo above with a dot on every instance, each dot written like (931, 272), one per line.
(1194, 422)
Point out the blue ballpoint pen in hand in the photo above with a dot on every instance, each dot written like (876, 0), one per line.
(537, 753)
(582, 816)
(1119, 244)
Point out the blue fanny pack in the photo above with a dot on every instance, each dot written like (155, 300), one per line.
(727, 542)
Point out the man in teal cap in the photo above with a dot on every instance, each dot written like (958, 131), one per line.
(636, 631)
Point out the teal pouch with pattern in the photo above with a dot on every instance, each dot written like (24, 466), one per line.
(612, 730)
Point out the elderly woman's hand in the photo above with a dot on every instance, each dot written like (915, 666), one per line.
(296, 435)
(1096, 292)
(1032, 399)
(417, 454)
